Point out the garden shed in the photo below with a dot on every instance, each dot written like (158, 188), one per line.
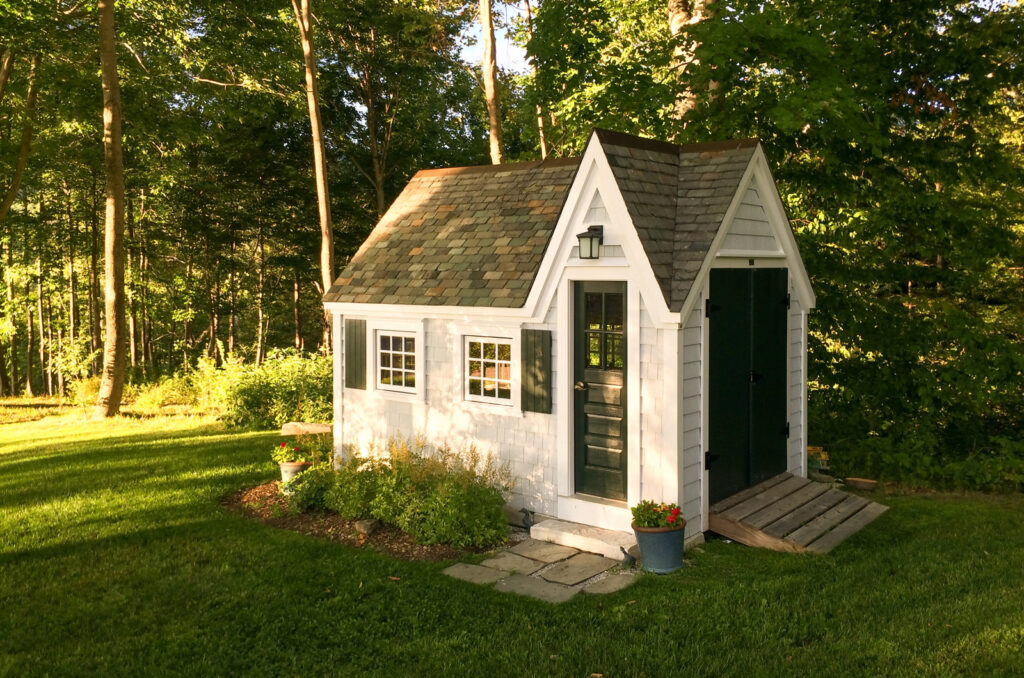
(626, 325)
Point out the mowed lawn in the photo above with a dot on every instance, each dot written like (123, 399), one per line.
(116, 558)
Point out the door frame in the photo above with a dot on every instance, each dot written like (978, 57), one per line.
(607, 514)
(579, 373)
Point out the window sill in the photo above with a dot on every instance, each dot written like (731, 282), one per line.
(510, 410)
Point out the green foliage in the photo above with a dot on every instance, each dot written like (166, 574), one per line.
(450, 497)
(656, 514)
(166, 391)
(288, 386)
(308, 491)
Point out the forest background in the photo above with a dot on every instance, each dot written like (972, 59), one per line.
(894, 130)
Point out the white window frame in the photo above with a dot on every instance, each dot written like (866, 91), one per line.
(513, 364)
(404, 328)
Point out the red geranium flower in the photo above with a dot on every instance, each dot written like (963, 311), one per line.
(671, 518)
(283, 443)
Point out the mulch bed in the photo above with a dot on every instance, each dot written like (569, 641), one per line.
(266, 504)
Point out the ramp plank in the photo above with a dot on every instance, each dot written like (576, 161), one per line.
(805, 513)
(766, 498)
(827, 520)
(743, 495)
(850, 526)
(786, 505)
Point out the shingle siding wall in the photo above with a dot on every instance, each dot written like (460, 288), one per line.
(526, 443)
(691, 462)
(750, 230)
(797, 376)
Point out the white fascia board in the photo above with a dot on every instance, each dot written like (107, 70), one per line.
(780, 226)
(595, 176)
(473, 313)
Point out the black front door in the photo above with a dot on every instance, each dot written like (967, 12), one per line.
(599, 378)
(747, 378)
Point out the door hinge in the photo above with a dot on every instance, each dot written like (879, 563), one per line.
(708, 458)
(787, 429)
(789, 300)
(707, 308)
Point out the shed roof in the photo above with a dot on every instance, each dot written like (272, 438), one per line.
(475, 236)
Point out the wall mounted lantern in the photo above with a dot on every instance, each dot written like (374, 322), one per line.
(590, 242)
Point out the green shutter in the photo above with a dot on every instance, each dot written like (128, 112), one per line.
(355, 353)
(535, 352)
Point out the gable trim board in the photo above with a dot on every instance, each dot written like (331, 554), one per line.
(666, 331)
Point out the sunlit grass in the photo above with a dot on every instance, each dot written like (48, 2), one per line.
(116, 558)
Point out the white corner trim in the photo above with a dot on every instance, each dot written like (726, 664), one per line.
(563, 394)
(634, 488)
(337, 327)
(670, 415)
(705, 372)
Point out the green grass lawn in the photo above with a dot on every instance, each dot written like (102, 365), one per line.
(116, 558)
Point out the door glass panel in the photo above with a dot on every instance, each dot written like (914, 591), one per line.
(593, 349)
(613, 312)
(592, 310)
(613, 351)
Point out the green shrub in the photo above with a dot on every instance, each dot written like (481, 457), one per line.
(308, 491)
(450, 497)
(165, 392)
(288, 386)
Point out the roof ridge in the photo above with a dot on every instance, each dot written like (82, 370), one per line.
(504, 167)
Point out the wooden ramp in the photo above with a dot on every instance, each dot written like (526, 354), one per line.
(788, 513)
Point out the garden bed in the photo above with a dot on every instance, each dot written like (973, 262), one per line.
(266, 504)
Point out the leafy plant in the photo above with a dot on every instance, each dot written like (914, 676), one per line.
(306, 448)
(308, 491)
(650, 514)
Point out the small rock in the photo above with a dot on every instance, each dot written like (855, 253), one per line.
(367, 527)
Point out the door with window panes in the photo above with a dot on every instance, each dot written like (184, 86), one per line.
(599, 378)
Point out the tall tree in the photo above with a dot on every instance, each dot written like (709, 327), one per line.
(304, 19)
(489, 68)
(112, 382)
(24, 148)
(682, 14)
(6, 66)
(533, 69)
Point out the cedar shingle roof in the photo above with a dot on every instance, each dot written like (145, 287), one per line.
(437, 243)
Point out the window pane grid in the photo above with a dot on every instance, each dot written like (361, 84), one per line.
(396, 362)
(489, 370)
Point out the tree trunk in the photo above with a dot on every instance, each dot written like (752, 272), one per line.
(39, 316)
(30, 325)
(26, 138)
(94, 281)
(112, 383)
(10, 309)
(490, 77)
(533, 67)
(303, 17)
(131, 285)
(232, 327)
(682, 13)
(261, 276)
(50, 374)
(6, 66)
(72, 295)
(296, 316)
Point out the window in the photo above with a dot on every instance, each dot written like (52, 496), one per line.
(489, 370)
(396, 361)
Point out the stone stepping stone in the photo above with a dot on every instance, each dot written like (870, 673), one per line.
(510, 562)
(609, 584)
(544, 551)
(578, 568)
(474, 574)
(536, 588)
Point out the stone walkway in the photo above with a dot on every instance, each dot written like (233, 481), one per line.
(546, 571)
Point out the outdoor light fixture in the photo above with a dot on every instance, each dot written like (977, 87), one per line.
(590, 242)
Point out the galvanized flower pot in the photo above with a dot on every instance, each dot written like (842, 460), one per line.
(661, 548)
(290, 469)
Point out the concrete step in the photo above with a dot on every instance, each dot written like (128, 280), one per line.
(584, 537)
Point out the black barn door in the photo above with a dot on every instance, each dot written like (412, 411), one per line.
(599, 378)
(747, 428)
